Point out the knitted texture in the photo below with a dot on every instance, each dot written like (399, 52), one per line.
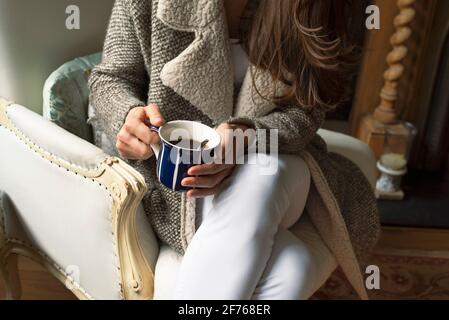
(142, 50)
(129, 73)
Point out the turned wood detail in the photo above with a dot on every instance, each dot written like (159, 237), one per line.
(385, 113)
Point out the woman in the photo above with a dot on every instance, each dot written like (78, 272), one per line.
(167, 60)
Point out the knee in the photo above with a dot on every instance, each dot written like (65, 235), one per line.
(259, 187)
(262, 166)
(296, 277)
(271, 192)
(294, 173)
(290, 171)
(276, 189)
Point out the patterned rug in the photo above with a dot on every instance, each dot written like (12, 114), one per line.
(404, 276)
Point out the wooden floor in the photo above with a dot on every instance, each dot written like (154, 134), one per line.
(38, 284)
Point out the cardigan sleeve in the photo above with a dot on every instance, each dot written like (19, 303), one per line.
(296, 126)
(120, 81)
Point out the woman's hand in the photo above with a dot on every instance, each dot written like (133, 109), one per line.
(135, 138)
(208, 178)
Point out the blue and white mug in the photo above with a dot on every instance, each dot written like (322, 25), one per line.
(175, 157)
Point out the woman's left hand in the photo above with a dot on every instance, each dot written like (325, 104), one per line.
(208, 178)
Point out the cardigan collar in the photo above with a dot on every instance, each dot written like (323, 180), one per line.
(203, 72)
(189, 15)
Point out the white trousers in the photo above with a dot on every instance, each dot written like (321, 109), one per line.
(243, 249)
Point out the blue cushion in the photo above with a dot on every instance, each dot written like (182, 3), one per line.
(66, 96)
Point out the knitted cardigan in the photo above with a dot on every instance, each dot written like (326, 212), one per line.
(176, 54)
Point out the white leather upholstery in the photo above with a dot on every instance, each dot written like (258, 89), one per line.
(54, 139)
(353, 149)
(101, 140)
(66, 216)
(167, 267)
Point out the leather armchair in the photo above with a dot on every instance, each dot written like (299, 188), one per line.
(72, 208)
(75, 209)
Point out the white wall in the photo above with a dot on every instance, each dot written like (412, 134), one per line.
(34, 42)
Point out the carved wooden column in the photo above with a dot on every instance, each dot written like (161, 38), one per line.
(373, 127)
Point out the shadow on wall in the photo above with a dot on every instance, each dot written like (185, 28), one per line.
(34, 41)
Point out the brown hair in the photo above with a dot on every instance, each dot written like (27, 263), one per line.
(305, 45)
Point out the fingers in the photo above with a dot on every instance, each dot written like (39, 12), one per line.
(132, 148)
(135, 137)
(135, 127)
(210, 181)
(202, 193)
(208, 169)
(153, 113)
(125, 151)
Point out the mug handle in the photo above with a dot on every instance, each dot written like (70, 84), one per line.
(156, 146)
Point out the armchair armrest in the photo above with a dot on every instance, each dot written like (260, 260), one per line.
(353, 149)
(77, 207)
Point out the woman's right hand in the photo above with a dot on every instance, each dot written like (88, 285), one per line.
(135, 137)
